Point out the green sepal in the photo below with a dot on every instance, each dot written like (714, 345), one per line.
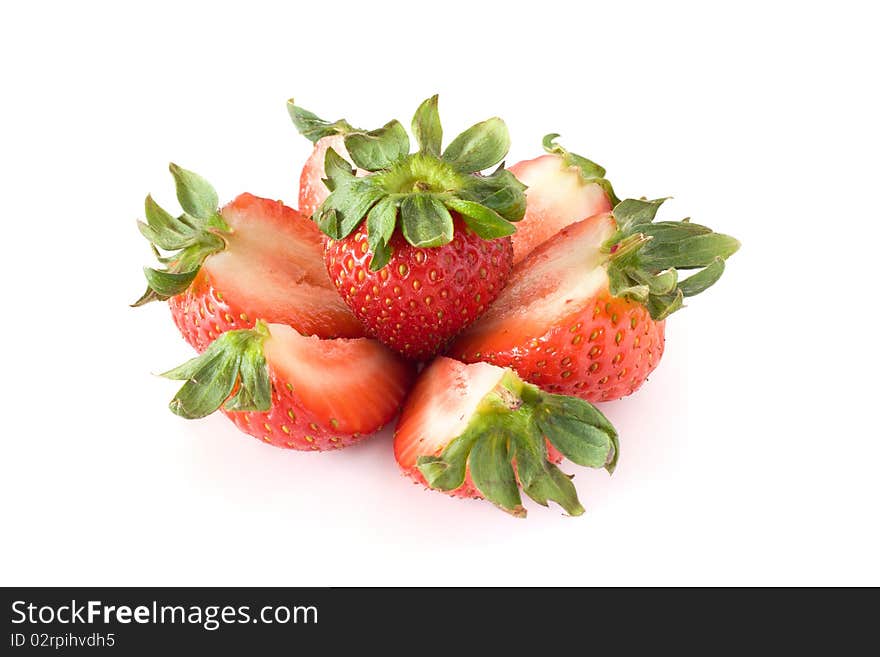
(380, 221)
(425, 221)
(703, 279)
(484, 221)
(542, 480)
(337, 169)
(167, 284)
(380, 227)
(416, 192)
(577, 429)
(196, 196)
(481, 146)
(381, 256)
(500, 191)
(646, 257)
(447, 471)
(427, 128)
(633, 212)
(492, 471)
(313, 128)
(346, 206)
(233, 359)
(378, 149)
(589, 170)
(189, 238)
(504, 445)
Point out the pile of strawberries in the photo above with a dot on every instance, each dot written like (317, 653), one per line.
(486, 310)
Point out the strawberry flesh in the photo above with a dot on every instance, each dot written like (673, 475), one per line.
(271, 269)
(556, 197)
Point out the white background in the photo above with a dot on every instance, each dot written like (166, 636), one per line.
(751, 456)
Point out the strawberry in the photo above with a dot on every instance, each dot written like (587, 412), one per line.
(294, 391)
(479, 431)
(255, 258)
(420, 246)
(562, 188)
(584, 313)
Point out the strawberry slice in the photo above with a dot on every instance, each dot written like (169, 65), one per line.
(255, 258)
(294, 391)
(479, 431)
(562, 188)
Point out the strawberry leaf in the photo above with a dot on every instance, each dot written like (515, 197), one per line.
(577, 429)
(500, 192)
(484, 221)
(337, 169)
(235, 358)
(190, 238)
(646, 257)
(196, 195)
(426, 127)
(492, 472)
(541, 480)
(479, 147)
(425, 221)
(313, 128)
(378, 149)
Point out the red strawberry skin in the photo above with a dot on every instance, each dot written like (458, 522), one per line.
(326, 394)
(599, 348)
(272, 269)
(604, 351)
(423, 296)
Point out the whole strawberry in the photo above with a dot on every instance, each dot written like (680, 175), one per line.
(419, 247)
(584, 313)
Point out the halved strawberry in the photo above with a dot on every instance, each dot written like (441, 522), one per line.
(294, 391)
(562, 188)
(420, 245)
(584, 313)
(479, 431)
(255, 258)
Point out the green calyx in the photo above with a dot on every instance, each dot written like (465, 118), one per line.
(187, 239)
(645, 257)
(234, 365)
(504, 447)
(589, 170)
(416, 192)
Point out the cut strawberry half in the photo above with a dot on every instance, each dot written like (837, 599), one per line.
(562, 188)
(584, 313)
(480, 431)
(255, 258)
(294, 391)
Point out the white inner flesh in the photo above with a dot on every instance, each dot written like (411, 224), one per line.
(557, 280)
(471, 384)
(570, 196)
